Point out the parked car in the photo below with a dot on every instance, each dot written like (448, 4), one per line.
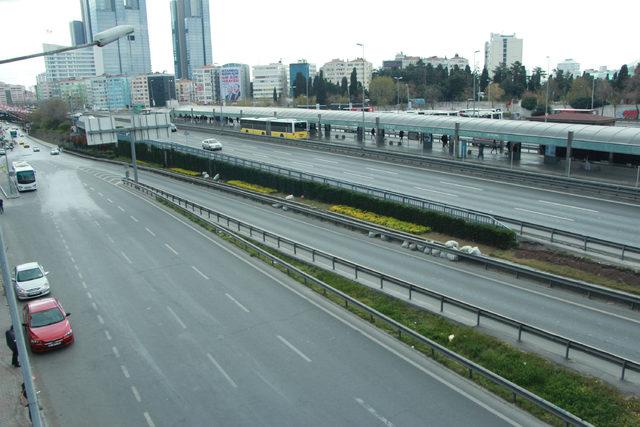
(55, 152)
(211, 144)
(46, 325)
(30, 280)
(2, 152)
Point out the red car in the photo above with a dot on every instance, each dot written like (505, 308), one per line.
(46, 324)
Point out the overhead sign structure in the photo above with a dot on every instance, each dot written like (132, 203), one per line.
(105, 130)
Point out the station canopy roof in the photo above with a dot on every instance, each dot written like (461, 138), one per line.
(625, 140)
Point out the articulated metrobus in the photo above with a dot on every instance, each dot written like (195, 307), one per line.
(284, 128)
(24, 176)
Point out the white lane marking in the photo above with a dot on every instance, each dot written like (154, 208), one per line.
(136, 394)
(109, 200)
(237, 303)
(177, 318)
(134, 218)
(76, 267)
(149, 420)
(95, 306)
(199, 272)
(359, 176)
(84, 285)
(567, 206)
(115, 351)
(100, 194)
(222, 371)
(150, 232)
(326, 161)
(171, 249)
(80, 275)
(302, 163)
(292, 347)
(383, 171)
(92, 189)
(435, 191)
(89, 295)
(373, 412)
(110, 239)
(108, 335)
(121, 208)
(544, 214)
(71, 258)
(125, 371)
(100, 319)
(97, 224)
(126, 257)
(460, 185)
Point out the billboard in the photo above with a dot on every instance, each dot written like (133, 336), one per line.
(231, 83)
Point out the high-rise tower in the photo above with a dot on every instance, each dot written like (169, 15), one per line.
(191, 34)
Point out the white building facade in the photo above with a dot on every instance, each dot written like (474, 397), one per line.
(502, 49)
(206, 84)
(569, 67)
(67, 65)
(336, 69)
(266, 78)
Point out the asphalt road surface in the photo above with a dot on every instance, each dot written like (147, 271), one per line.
(174, 327)
(593, 216)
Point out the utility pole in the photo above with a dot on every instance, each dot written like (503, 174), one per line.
(546, 102)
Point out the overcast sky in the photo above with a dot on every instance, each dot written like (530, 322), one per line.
(260, 32)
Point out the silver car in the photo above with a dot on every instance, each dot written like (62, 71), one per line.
(30, 281)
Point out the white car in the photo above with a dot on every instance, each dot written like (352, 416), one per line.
(55, 151)
(173, 127)
(36, 148)
(30, 281)
(211, 144)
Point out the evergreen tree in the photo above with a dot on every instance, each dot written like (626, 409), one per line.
(353, 85)
(484, 79)
(344, 86)
(275, 95)
(300, 85)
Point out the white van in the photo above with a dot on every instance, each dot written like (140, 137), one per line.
(211, 144)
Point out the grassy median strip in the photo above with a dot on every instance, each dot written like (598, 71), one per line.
(586, 397)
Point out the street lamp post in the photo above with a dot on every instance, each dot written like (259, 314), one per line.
(363, 80)
(593, 89)
(474, 82)
(546, 102)
(398, 92)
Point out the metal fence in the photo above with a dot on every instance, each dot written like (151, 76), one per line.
(471, 367)
(419, 295)
(584, 242)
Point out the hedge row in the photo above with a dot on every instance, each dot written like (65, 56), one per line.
(499, 237)
(386, 221)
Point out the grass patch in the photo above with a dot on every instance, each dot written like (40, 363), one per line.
(586, 397)
(252, 187)
(185, 171)
(386, 221)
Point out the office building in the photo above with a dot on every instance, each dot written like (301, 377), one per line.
(77, 63)
(76, 92)
(336, 69)
(128, 55)
(140, 91)
(162, 88)
(109, 92)
(185, 92)
(603, 72)
(266, 78)
(13, 94)
(206, 84)
(191, 34)
(76, 28)
(235, 83)
(303, 67)
(569, 67)
(502, 49)
(44, 88)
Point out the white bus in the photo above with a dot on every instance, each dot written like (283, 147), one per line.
(24, 176)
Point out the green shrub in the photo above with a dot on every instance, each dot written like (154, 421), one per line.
(385, 221)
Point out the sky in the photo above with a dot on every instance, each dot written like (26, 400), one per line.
(260, 32)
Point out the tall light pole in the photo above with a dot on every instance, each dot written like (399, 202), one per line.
(474, 82)
(593, 89)
(546, 102)
(363, 80)
(101, 39)
(398, 92)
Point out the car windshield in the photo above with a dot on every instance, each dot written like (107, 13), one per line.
(25, 177)
(26, 275)
(46, 317)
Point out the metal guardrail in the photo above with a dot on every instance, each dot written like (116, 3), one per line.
(587, 243)
(549, 279)
(589, 289)
(551, 181)
(471, 367)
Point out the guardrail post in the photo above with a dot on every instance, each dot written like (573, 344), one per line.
(313, 255)
(478, 318)
(622, 254)
(566, 352)
(250, 231)
(278, 241)
(520, 332)
(552, 233)
(333, 263)
(441, 304)
(264, 237)
(624, 368)
(410, 289)
(381, 282)
(356, 270)
(586, 240)
(294, 248)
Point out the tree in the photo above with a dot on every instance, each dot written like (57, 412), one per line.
(529, 102)
(344, 87)
(579, 92)
(484, 79)
(353, 86)
(620, 79)
(633, 87)
(275, 95)
(382, 90)
(49, 115)
(535, 81)
(300, 85)
(433, 94)
(494, 92)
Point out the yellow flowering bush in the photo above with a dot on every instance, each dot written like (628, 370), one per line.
(252, 187)
(385, 221)
(184, 171)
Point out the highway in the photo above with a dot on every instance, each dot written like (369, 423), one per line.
(174, 327)
(593, 216)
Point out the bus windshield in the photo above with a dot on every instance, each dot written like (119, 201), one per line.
(25, 177)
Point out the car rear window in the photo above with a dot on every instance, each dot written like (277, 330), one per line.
(46, 317)
(26, 275)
